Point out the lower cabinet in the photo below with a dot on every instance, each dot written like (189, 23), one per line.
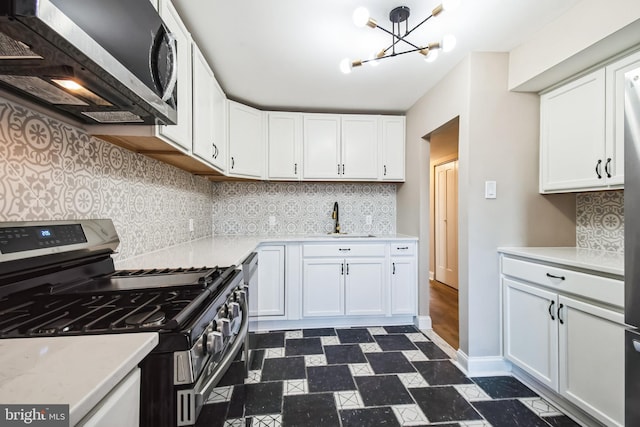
(268, 299)
(322, 287)
(403, 285)
(574, 347)
(121, 407)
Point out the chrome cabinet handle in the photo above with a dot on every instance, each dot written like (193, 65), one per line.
(394, 268)
(295, 169)
(606, 167)
(344, 249)
(551, 309)
(385, 170)
(343, 169)
(233, 163)
(559, 311)
(552, 276)
(402, 248)
(338, 168)
(342, 269)
(598, 169)
(347, 269)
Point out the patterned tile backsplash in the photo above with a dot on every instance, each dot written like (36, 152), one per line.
(600, 220)
(242, 208)
(52, 170)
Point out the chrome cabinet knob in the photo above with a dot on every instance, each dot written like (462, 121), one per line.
(215, 342)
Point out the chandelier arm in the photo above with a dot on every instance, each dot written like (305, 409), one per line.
(408, 32)
(395, 36)
(364, 61)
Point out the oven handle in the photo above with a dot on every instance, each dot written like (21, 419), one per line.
(207, 388)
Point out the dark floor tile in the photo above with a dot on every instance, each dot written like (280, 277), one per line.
(283, 368)
(236, 404)
(319, 332)
(302, 346)
(441, 404)
(262, 398)
(212, 415)
(340, 354)
(394, 342)
(503, 387)
(382, 390)
(391, 362)
(352, 336)
(441, 372)
(402, 329)
(561, 421)
(431, 350)
(266, 340)
(369, 417)
(257, 356)
(508, 413)
(329, 378)
(304, 410)
(234, 375)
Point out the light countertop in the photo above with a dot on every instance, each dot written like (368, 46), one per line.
(585, 259)
(230, 250)
(78, 371)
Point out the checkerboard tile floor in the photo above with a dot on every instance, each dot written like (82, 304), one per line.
(360, 377)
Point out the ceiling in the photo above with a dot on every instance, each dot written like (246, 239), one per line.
(285, 54)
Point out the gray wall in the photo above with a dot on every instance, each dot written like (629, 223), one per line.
(498, 140)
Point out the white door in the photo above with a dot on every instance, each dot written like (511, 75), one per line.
(359, 147)
(323, 287)
(219, 122)
(592, 337)
(245, 140)
(203, 83)
(531, 330)
(271, 282)
(393, 148)
(446, 217)
(322, 146)
(364, 286)
(284, 138)
(403, 285)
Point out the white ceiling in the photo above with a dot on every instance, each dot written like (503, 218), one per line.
(285, 54)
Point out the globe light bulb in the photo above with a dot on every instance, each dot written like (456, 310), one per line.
(448, 43)
(449, 5)
(432, 55)
(361, 16)
(345, 66)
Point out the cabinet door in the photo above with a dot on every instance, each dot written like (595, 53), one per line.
(359, 147)
(572, 135)
(202, 107)
(179, 133)
(284, 145)
(365, 290)
(245, 140)
(219, 122)
(615, 116)
(531, 331)
(393, 145)
(323, 287)
(321, 146)
(268, 298)
(592, 359)
(403, 285)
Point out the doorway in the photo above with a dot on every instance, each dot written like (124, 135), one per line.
(443, 240)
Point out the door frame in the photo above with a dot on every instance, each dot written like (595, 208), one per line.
(442, 162)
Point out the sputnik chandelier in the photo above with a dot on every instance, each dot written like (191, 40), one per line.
(397, 16)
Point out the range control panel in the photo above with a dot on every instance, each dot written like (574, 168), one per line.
(20, 239)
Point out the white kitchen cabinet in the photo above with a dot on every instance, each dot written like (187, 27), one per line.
(364, 286)
(321, 146)
(322, 287)
(179, 133)
(246, 141)
(393, 148)
(591, 338)
(284, 141)
(209, 114)
(615, 115)
(558, 330)
(572, 132)
(121, 407)
(403, 278)
(269, 297)
(359, 147)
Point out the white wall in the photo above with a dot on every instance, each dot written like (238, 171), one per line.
(498, 140)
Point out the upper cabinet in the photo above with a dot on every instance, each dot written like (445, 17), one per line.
(209, 115)
(246, 141)
(322, 146)
(359, 147)
(284, 145)
(392, 148)
(582, 131)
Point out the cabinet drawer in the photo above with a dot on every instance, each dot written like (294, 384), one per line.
(598, 288)
(347, 249)
(403, 248)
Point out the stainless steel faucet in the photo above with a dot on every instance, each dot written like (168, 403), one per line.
(336, 216)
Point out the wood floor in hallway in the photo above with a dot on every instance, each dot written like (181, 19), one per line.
(443, 307)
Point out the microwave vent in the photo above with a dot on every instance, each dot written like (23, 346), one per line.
(42, 89)
(15, 49)
(113, 116)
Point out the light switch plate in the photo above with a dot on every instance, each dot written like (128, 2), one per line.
(490, 190)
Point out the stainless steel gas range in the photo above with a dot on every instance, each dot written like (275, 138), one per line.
(57, 278)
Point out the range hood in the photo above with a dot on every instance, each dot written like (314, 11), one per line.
(99, 61)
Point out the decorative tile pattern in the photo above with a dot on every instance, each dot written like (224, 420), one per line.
(600, 220)
(417, 337)
(244, 208)
(53, 170)
(377, 331)
(329, 340)
(396, 388)
(370, 348)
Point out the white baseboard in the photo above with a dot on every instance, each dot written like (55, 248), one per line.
(482, 366)
(432, 275)
(423, 322)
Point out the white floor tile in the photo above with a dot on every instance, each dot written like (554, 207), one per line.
(417, 337)
(413, 380)
(472, 392)
(266, 420)
(360, 369)
(274, 352)
(370, 347)
(377, 331)
(415, 355)
(541, 407)
(332, 340)
(253, 377)
(409, 415)
(315, 360)
(348, 400)
(220, 394)
(293, 334)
